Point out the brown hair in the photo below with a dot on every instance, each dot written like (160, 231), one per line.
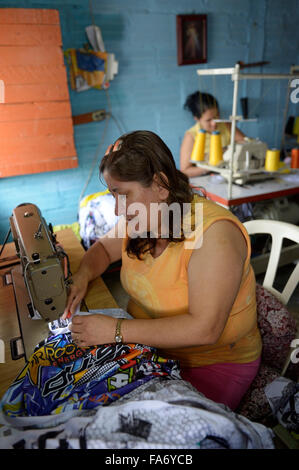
(198, 103)
(140, 155)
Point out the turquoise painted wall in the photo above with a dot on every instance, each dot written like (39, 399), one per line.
(150, 88)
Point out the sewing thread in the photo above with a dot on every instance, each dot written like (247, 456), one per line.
(215, 148)
(272, 160)
(295, 158)
(198, 151)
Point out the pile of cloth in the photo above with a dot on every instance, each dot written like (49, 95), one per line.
(115, 396)
(160, 414)
(283, 397)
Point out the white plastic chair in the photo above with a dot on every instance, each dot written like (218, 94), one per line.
(278, 231)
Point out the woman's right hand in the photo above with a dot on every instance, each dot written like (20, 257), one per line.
(77, 291)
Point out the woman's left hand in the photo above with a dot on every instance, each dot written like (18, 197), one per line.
(89, 330)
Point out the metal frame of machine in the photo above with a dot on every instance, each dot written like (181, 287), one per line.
(40, 281)
(230, 173)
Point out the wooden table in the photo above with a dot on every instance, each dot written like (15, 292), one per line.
(98, 296)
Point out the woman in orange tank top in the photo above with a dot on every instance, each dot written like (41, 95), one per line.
(186, 266)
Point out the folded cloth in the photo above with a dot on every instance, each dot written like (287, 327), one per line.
(283, 397)
(96, 217)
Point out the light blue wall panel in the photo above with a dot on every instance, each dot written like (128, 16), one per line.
(150, 89)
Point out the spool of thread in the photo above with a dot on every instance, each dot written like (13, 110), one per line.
(295, 158)
(272, 160)
(215, 148)
(198, 151)
(296, 126)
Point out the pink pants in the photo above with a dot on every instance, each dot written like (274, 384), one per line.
(224, 383)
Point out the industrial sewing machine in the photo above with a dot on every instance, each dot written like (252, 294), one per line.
(41, 280)
(247, 155)
(248, 162)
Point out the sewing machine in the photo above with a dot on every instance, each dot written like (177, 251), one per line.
(40, 281)
(247, 156)
(248, 162)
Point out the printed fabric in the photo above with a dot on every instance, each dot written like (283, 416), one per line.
(87, 69)
(96, 217)
(161, 414)
(283, 397)
(61, 377)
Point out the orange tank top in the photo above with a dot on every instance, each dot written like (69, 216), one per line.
(158, 287)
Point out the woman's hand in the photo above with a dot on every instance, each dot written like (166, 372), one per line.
(76, 293)
(89, 330)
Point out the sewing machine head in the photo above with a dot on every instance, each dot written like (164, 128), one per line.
(40, 283)
(247, 156)
(41, 262)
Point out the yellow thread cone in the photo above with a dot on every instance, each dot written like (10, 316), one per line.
(215, 148)
(198, 151)
(272, 160)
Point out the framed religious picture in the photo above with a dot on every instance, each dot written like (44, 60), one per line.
(191, 39)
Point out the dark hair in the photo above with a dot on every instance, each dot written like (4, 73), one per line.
(140, 156)
(197, 103)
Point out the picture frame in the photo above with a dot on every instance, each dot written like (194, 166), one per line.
(191, 39)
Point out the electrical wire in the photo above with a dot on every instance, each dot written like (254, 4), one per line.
(91, 12)
(95, 159)
(107, 118)
(36, 314)
(118, 124)
(121, 129)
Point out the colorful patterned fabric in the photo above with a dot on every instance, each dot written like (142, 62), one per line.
(96, 217)
(161, 414)
(61, 377)
(87, 69)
